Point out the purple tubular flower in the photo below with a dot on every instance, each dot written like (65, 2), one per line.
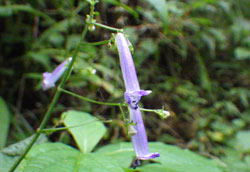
(132, 96)
(49, 79)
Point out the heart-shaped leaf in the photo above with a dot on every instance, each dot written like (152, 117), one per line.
(86, 129)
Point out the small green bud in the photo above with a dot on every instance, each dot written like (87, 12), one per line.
(91, 27)
(131, 130)
(162, 113)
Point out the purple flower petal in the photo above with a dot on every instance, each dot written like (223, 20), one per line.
(140, 141)
(49, 79)
(149, 156)
(47, 84)
(127, 64)
(133, 96)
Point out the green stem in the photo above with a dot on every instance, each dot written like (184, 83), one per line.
(161, 112)
(95, 43)
(107, 27)
(51, 105)
(107, 103)
(148, 110)
(49, 130)
(123, 114)
(91, 100)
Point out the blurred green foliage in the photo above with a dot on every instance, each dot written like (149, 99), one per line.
(194, 55)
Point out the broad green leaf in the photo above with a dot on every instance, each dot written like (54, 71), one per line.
(86, 129)
(123, 153)
(180, 160)
(93, 162)
(9, 154)
(6, 162)
(235, 161)
(18, 148)
(59, 157)
(243, 141)
(50, 156)
(4, 122)
(172, 159)
(157, 167)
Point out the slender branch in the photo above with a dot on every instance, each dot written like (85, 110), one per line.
(95, 43)
(123, 114)
(48, 130)
(148, 110)
(107, 27)
(91, 100)
(160, 112)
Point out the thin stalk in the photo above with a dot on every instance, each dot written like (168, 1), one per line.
(105, 103)
(123, 114)
(49, 130)
(95, 43)
(107, 27)
(91, 100)
(52, 104)
(148, 110)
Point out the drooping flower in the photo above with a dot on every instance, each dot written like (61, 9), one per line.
(132, 96)
(49, 79)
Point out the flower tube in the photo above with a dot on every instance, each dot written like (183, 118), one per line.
(49, 79)
(132, 96)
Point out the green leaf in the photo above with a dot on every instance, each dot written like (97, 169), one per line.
(72, 41)
(158, 168)
(209, 42)
(59, 157)
(4, 122)
(162, 9)
(98, 162)
(203, 74)
(39, 57)
(242, 53)
(123, 153)
(9, 154)
(172, 159)
(125, 7)
(235, 161)
(9, 9)
(5, 11)
(243, 141)
(50, 156)
(6, 162)
(18, 148)
(88, 132)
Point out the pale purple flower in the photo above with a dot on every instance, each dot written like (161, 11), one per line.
(49, 79)
(132, 96)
